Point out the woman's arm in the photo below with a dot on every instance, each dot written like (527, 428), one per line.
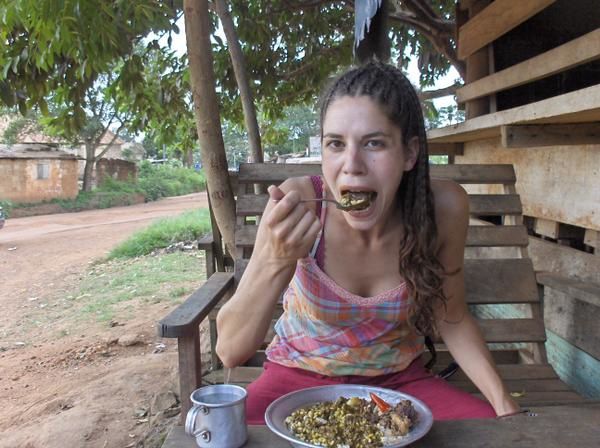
(455, 324)
(286, 233)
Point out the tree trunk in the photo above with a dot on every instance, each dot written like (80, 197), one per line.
(206, 108)
(88, 170)
(239, 68)
(188, 158)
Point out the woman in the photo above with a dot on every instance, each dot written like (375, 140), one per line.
(362, 288)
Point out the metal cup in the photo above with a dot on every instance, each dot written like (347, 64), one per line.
(217, 418)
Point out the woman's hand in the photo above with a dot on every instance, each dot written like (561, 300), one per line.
(291, 228)
(507, 407)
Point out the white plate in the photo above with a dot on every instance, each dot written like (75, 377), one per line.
(281, 408)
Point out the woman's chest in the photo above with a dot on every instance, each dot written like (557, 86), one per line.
(363, 271)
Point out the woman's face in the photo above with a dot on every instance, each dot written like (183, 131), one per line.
(363, 152)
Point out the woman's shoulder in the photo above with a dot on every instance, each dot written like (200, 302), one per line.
(451, 202)
(303, 184)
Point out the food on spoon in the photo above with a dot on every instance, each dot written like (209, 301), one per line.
(353, 422)
(357, 200)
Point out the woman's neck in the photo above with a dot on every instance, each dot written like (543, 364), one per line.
(389, 225)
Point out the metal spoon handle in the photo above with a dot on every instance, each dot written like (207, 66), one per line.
(333, 201)
(337, 204)
(322, 199)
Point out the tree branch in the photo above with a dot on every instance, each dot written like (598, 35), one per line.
(438, 38)
(308, 65)
(112, 140)
(425, 95)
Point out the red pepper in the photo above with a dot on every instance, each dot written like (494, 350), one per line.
(380, 402)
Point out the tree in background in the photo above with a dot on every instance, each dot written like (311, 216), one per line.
(79, 60)
(293, 46)
(56, 50)
(208, 119)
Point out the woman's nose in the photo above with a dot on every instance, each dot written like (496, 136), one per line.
(354, 162)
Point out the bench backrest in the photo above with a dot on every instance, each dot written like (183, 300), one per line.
(499, 276)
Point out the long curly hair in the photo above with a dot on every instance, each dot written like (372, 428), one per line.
(419, 265)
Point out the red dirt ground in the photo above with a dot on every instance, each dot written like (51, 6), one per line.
(82, 388)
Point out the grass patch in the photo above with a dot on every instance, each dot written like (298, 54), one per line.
(119, 287)
(185, 227)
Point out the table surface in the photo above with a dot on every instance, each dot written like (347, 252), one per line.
(549, 427)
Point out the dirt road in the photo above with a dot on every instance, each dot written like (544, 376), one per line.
(49, 396)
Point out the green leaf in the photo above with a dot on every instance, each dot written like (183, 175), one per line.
(6, 94)
(43, 107)
(22, 107)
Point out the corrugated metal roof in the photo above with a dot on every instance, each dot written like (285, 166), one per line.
(31, 153)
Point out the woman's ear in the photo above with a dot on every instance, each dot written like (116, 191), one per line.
(412, 153)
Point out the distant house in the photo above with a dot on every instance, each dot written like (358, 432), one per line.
(37, 174)
(31, 137)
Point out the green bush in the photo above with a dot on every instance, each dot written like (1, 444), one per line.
(111, 185)
(188, 226)
(157, 181)
(6, 206)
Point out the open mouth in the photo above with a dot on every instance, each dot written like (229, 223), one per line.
(357, 200)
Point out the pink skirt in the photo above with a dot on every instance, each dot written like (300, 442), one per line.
(445, 401)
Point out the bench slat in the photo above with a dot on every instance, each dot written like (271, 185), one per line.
(461, 173)
(501, 356)
(497, 236)
(479, 204)
(546, 398)
(511, 372)
(494, 330)
(520, 386)
(495, 204)
(477, 236)
(488, 281)
(512, 330)
(500, 281)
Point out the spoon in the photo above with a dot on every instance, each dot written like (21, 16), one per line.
(359, 205)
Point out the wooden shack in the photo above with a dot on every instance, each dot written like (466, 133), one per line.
(37, 174)
(532, 99)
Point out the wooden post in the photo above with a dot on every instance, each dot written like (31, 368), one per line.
(536, 311)
(478, 66)
(190, 369)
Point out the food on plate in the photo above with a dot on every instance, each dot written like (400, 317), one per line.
(357, 200)
(353, 422)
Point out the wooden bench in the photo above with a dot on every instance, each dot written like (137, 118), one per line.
(500, 282)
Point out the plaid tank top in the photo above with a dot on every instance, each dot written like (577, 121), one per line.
(331, 331)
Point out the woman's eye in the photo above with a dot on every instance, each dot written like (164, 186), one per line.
(375, 144)
(334, 144)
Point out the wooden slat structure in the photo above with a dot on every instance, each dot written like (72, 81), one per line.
(527, 136)
(495, 20)
(580, 106)
(496, 281)
(576, 52)
(532, 99)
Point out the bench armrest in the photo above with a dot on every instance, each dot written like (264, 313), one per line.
(184, 319)
(580, 289)
(205, 242)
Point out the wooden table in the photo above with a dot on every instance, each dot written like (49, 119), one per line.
(576, 425)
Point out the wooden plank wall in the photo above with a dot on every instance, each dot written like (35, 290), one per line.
(560, 183)
(495, 20)
(578, 51)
